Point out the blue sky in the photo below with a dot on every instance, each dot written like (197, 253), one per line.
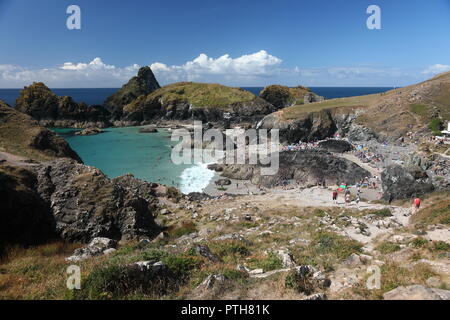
(239, 43)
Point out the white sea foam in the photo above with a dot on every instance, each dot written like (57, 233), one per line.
(196, 178)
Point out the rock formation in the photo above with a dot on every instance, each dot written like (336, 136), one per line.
(308, 167)
(282, 96)
(86, 204)
(141, 85)
(25, 218)
(405, 182)
(38, 101)
(337, 146)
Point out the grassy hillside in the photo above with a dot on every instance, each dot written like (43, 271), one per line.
(22, 136)
(298, 111)
(199, 95)
(423, 106)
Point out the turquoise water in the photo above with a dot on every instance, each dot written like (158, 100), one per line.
(147, 156)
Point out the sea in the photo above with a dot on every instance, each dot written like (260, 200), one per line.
(120, 151)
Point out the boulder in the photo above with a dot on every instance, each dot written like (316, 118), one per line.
(317, 296)
(311, 97)
(223, 182)
(337, 146)
(417, 292)
(89, 132)
(204, 251)
(405, 182)
(96, 247)
(213, 281)
(148, 129)
(287, 259)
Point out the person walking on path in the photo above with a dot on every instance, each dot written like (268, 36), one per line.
(416, 205)
(335, 196)
(347, 198)
(358, 200)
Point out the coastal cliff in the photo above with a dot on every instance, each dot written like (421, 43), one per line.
(23, 136)
(43, 105)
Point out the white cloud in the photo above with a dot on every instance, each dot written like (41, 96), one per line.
(257, 69)
(69, 75)
(248, 66)
(96, 64)
(436, 68)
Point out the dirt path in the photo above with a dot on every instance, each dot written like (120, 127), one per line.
(14, 160)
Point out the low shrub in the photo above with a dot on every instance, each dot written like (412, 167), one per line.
(388, 247)
(441, 246)
(331, 243)
(271, 262)
(419, 242)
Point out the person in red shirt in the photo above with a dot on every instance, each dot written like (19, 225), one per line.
(417, 203)
(335, 196)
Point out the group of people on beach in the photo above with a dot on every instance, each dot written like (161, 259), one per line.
(347, 195)
(366, 156)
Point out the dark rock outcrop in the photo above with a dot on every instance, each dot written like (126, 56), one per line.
(282, 96)
(405, 182)
(319, 125)
(38, 101)
(51, 143)
(141, 85)
(25, 218)
(86, 204)
(307, 167)
(311, 97)
(63, 199)
(89, 132)
(148, 129)
(279, 96)
(310, 127)
(337, 146)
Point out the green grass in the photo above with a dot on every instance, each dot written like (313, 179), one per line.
(388, 247)
(438, 212)
(382, 213)
(331, 243)
(419, 242)
(202, 94)
(435, 126)
(268, 263)
(441, 246)
(230, 248)
(184, 228)
(421, 110)
(298, 111)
